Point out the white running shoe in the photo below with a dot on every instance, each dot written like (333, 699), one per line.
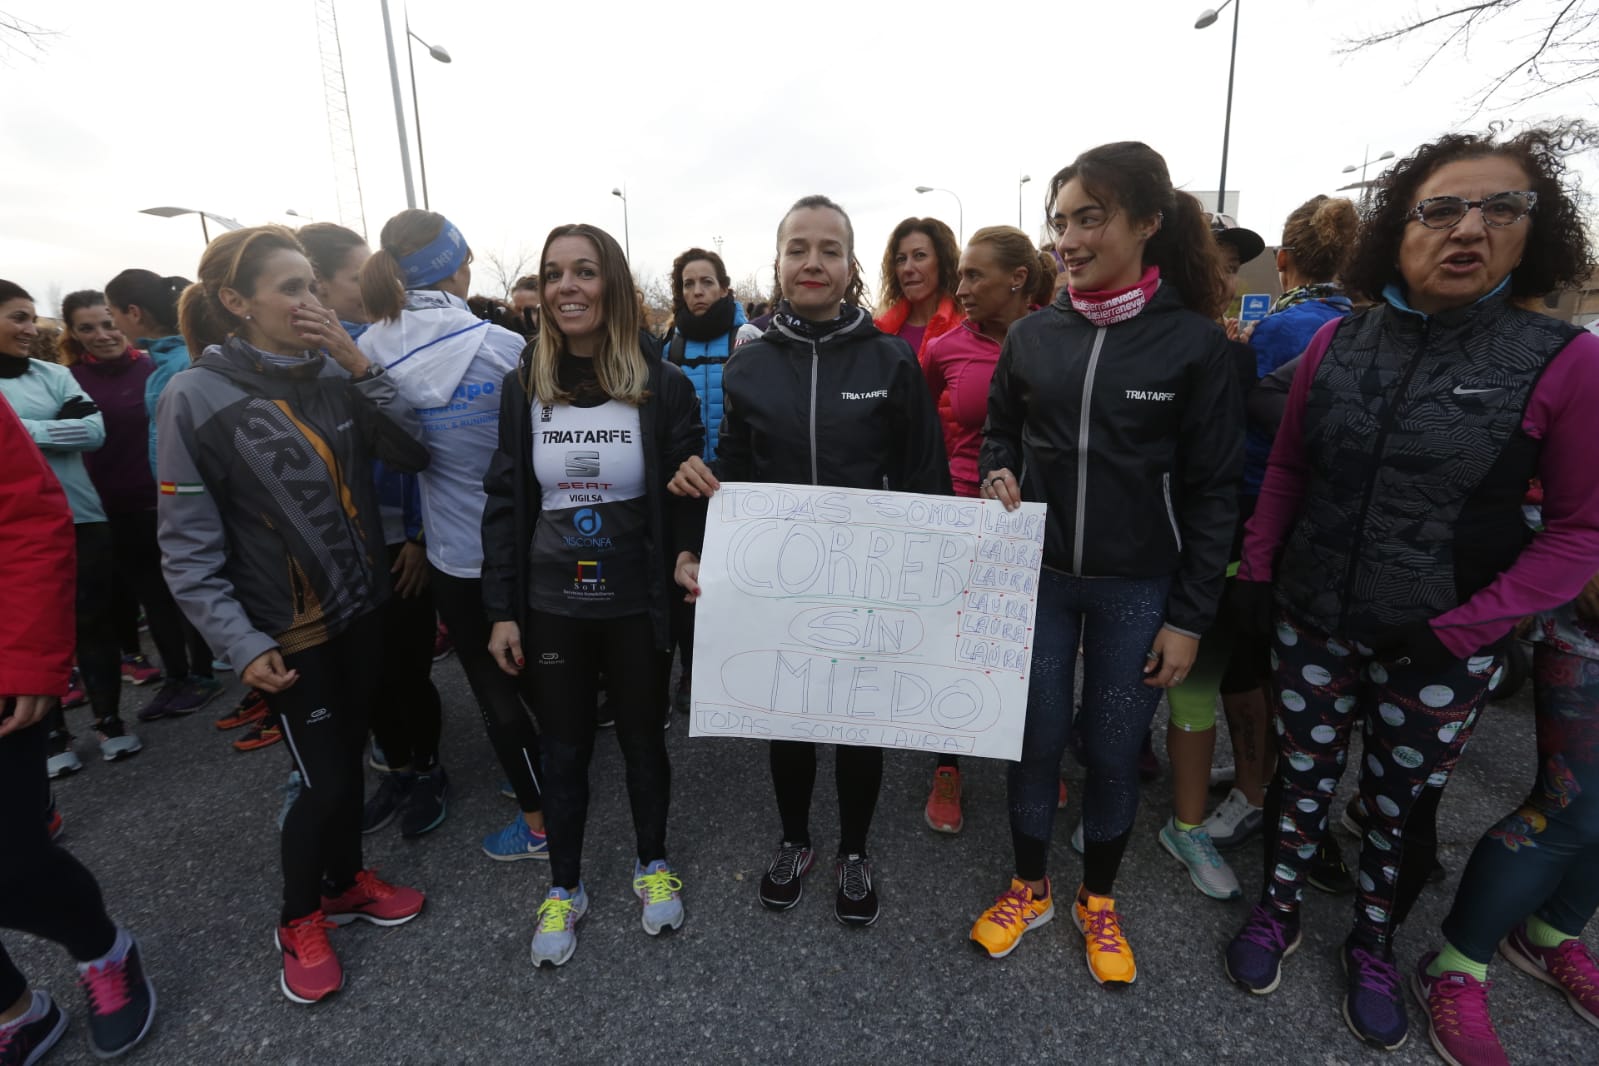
(556, 938)
(658, 888)
(1233, 821)
(1206, 868)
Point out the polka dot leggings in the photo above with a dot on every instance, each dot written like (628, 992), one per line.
(1414, 724)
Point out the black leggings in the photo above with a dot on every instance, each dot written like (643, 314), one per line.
(99, 658)
(858, 775)
(406, 714)
(565, 659)
(44, 891)
(324, 717)
(138, 581)
(511, 732)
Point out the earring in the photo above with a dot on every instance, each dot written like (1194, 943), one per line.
(1015, 288)
(247, 318)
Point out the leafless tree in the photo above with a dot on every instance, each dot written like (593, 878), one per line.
(19, 37)
(1538, 46)
(752, 287)
(504, 268)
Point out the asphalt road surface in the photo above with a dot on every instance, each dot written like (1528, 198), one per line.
(183, 840)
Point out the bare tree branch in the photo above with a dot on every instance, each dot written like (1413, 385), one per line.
(506, 267)
(21, 37)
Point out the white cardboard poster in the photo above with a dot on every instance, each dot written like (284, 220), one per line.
(847, 616)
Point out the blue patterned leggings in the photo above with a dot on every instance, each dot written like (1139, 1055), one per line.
(1414, 725)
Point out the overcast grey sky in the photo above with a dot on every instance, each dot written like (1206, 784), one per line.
(714, 115)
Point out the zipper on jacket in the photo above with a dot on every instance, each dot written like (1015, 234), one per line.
(1171, 513)
(1082, 450)
(1358, 535)
(816, 478)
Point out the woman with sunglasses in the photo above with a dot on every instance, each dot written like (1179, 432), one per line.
(1388, 550)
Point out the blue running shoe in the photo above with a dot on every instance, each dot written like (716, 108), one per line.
(506, 790)
(516, 841)
(1374, 1005)
(556, 937)
(1254, 959)
(659, 889)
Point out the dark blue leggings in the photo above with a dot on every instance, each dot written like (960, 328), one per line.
(1543, 858)
(1116, 620)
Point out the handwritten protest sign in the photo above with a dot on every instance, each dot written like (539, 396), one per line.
(885, 619)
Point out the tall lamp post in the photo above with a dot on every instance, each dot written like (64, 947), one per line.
(1365, 161)
(627, 239)
(959, 207)
(399, 108)
(1025, 178)
(437, 52)
(1208, 17)
(174, 212)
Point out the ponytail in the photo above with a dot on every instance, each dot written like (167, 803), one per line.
(1041, 280)
(232, 261)
(1319, 235)
(1013, 250)
(151, 293)
(1185, 249)
(382, 291)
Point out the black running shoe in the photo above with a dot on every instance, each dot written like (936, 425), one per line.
(426, 805)
(26, 1044)
(857, 899)
(1328, 872)
(393, 788)
(121, 1001)
(784, 881)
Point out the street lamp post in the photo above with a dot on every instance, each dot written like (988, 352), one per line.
(1208, 17)
(960, 208)
(399, 108)
(1365, 161)
(437, 52)
(174, 212)
(1025, 178)
(627, 239)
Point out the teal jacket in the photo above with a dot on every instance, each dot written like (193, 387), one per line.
(170, 355)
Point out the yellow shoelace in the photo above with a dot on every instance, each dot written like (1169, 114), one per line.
(553, 915)
(657, 887)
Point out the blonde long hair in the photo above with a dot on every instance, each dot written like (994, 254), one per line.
(620, 365)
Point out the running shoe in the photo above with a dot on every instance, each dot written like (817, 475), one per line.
(556, 936)
(311, 971)
(507, 789)
(1374, 1006)
(423, 810)
(1233, 821)
(195, 693)
(251, 709)
(63, 760)
(116, 742)
(1077, 837)
(76, 696)
(221, 666)
(1254, 959)
(291, 789)
(516, 841)
(856, 902)
(137, 670)
(264, 734)
(121, 998)
(24, 1043)
(1016, 912)
(1223, 777)
(943, 811)
(659, 889)
(1458, 1022)
(1206, 868)
(385, 803)
(442, 644)
(372, 899)
(160, 705)
(1327, 871)
(784, 881)
(376, 758)
(1105, 948)
(54, 824)
(1570, 967)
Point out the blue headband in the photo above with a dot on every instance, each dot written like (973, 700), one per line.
(440, 258)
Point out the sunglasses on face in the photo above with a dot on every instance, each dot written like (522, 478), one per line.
(1499, 210)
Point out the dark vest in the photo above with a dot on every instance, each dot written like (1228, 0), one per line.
(1417, 464)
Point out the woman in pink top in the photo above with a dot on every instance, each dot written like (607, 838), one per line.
(1001, 278)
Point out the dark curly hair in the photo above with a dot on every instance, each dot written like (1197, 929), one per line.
(1557, 252)
(945, 248)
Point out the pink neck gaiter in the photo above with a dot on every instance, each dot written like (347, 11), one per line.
(1109, 308)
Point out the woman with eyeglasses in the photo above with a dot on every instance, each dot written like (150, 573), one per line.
(1388, 549)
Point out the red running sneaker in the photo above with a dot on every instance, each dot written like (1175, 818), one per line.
(266, 733)
(442, 644)
(311, 972)
(943, 812)
(374, 900)
(137, 670)
(251, 709)
(76, 696)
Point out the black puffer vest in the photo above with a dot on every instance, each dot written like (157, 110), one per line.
(1418, 464)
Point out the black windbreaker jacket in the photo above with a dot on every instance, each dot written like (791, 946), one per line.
(847, 407)
(1133, 435)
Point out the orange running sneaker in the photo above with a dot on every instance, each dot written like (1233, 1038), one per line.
(943, 811)
(1015, 912)
(1110, 958)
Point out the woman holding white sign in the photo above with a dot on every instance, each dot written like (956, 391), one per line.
(823, 398)
(576, 560)
(1119, 407)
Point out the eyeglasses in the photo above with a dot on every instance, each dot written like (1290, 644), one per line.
(1499, 210)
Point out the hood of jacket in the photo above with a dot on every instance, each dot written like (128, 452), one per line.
(789, 328)
(250, 368)
(428, 349)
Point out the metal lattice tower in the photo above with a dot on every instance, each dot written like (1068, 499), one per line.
(341, 135)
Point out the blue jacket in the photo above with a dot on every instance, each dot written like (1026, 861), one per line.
(170, 355)
(1280, 337)
(702, 363)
